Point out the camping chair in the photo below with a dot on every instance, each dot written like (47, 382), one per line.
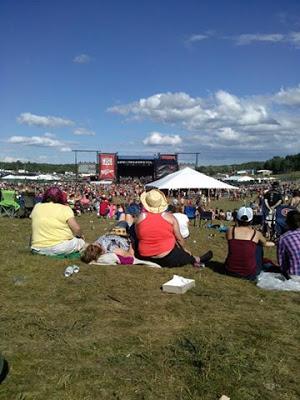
(190, 212)
(27, 204)
(8, 205)
(206, 216)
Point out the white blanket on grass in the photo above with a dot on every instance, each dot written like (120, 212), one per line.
(112, 259)
(274, 281)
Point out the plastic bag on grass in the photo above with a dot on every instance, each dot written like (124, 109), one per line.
(273, 281)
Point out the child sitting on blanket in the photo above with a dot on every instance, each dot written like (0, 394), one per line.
(115, 242)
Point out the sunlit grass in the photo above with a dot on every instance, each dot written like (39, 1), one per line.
(110, 332)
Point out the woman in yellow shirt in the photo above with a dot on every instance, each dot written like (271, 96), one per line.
(54, 227)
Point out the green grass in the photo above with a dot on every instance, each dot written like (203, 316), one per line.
(289, 176)
(110, 333)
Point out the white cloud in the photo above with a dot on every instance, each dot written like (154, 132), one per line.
(39, 141)
(12, 159)
(195, 113)
(221, 120)
(196, 38)
(290, 97)
(228, 134)
(82, 59)
(65, 149)
(156, 138)
(49, 134)
(43, 121)
(292, 38)
(248, 38)
(83, 132)
(244, 39)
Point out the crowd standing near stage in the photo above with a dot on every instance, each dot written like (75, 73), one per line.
(127, 201)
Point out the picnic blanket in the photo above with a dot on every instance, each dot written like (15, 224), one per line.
(273, 281)
(72, 256)
(113, 259)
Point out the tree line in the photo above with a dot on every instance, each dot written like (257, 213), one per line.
(42, 168)
(277, 164)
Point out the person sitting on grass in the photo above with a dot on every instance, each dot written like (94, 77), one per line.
(117, 242)
(288, 251)
(295, 200)
(55, 230)
(182, 219)
(245, 256)
(159, 237)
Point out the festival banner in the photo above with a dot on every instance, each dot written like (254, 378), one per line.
(107, 166)
(172, 157)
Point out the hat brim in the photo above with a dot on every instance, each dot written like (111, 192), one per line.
(244, 220)
(155, 210)
(119, 232)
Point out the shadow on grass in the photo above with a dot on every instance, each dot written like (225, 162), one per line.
(4, 369)
(217, 267)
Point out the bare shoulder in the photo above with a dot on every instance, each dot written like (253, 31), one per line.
(141, 217)
(229, 232)
(168, 216)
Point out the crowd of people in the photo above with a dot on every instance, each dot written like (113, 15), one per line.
(155, 228)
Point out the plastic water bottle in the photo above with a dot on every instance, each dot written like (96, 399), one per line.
(68, 271)
(75, 269)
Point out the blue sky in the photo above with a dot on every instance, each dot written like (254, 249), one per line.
(140, 77)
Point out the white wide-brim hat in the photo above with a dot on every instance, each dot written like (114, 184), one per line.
(154, 201)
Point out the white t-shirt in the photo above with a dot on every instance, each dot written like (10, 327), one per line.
(183, 223)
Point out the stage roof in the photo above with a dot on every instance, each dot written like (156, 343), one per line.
(138, 158)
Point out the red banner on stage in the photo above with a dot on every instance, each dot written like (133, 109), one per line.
(168, 157)
(107, 166)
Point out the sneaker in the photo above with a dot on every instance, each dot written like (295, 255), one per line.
(206, 257)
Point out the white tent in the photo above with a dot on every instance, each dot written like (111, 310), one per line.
(239, 179)
(42, 177)
(188, 178)
(47, 177)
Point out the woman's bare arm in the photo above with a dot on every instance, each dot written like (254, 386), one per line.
(264, 241)
(75, 228)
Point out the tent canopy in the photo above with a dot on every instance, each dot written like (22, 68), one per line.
(188, 178)
(42, 177)
(237, 178)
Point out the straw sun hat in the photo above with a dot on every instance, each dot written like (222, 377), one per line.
(154, 201)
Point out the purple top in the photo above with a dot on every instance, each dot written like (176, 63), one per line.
(288, 252)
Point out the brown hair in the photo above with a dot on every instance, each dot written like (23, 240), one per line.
(91, 253)
(293, 219)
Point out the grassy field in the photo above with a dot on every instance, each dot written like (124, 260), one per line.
(110, 332)
(289, 176)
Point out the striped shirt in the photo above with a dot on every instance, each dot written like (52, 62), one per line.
(288, 252)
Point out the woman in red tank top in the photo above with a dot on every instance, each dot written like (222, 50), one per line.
(244, 257)
(158, 233)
